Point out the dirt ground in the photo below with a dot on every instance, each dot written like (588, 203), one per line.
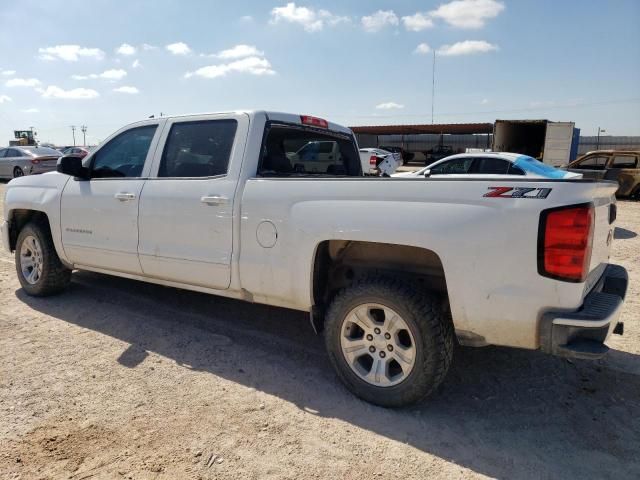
(120, 379)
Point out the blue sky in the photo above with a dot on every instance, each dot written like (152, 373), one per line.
(105, 63)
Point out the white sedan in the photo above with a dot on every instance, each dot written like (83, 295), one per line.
(489, 164)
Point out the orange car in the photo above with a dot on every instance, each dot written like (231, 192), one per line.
(620, 165)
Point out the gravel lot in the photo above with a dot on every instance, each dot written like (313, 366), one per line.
(119, 379)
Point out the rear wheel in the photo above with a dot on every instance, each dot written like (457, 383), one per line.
(390, 344)
(17, 172)
(39, 268)
(635, 195)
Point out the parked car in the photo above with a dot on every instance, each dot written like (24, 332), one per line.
(620, 165)
(79, 151)
(18, 161)
(391, 271)
(404, 154)
(489, 164)
(436, 153)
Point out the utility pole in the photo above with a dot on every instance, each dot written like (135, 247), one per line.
(433, 84)
(600, 130)
(84, 135)
(73, 131)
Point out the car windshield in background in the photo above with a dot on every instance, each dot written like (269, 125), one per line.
(290, 151)
(42, 151)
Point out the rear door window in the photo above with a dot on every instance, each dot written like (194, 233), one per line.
(491, 166)
(15, 153)
(289, 150)
(624, 161)
(198, 149)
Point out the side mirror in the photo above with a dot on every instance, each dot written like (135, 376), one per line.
(72, 165)
(427, 173)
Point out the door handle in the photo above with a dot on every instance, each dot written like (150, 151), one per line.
(125, 196)
(214, 200)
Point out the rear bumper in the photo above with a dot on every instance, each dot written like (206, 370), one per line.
(581, 334)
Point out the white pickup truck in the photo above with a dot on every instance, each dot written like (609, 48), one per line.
(394, 272)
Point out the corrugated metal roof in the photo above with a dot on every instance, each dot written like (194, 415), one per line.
(446, 128)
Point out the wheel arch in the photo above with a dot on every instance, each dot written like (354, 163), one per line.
(19, 217)
(337, 264)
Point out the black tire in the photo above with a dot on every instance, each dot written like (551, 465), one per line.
(635, 195)
(55, 276)
(430, 326)
(17, 172)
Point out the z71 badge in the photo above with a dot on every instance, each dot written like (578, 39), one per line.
(518, 192)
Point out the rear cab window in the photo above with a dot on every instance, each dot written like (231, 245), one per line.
(290, 150)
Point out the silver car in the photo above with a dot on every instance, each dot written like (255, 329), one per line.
(19, 161)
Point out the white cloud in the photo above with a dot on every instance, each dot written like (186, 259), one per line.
(30, 110)
(125, 89)
(8, 73)
(147, 47)
(417, 22)
(378, 20)
(246, 19)
(112, 74)
(250, 65)
(5, 98)
(136, 64)
(179, 48)
(468, 13)
(422, 49)
(389, 106)
(74, 94)
(126, 49)
(22, 82)
(311, 20)
(468, 47)
(240, 51)
(69, 53)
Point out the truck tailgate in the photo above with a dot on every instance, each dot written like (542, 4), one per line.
(604, 202)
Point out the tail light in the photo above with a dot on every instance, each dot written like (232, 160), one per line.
(565, 239)
(35, 161)
(373, 160)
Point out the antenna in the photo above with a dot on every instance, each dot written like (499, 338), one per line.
(433, 84)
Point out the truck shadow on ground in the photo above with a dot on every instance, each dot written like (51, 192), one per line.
(501, 412)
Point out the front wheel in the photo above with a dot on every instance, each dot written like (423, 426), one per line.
(39, 268)
(390, 344)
